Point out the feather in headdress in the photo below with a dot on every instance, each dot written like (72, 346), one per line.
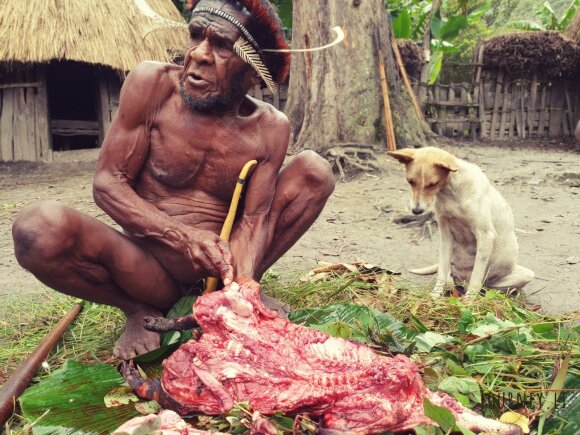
(245, 50)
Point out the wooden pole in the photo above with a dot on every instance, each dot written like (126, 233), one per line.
(391, 141)
(17, 383)
(211, 282)
(406, 82)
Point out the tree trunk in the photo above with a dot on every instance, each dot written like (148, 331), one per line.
(335, 94)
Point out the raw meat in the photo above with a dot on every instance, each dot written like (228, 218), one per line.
(248, 354)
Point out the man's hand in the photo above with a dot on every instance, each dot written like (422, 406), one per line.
(209, 254)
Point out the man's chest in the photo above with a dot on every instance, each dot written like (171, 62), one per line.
(206, 156)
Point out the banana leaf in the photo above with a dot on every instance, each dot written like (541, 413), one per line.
(71, 400)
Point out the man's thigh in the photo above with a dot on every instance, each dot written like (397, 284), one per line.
(60, 245)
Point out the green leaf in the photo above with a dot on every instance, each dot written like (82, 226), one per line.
(475, 350)
(454, 368)
(478, 12)
(543, 328)
(74, 398)
(442, 416)
(567, 420)
(451, 28)
(418, 324)
(528, 25)
(120, 396)
(436, 24)
(466, 320)
(402, 25)
(427, 429)
(551, 397)
(435, 66)
(465, 386)
(428, 340)
(337, 329)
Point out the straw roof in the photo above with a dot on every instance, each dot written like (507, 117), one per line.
(522, 54)
(106, 32)
(573, 30)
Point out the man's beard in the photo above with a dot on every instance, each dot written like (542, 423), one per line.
(214, 103)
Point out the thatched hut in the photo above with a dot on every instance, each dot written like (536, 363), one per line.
(528, 85)
(61, 68)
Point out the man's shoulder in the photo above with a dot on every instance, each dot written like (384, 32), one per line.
(158, 73)
(268, 113)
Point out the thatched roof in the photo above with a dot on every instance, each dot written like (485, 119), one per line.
(105, 32)
(573, 30)
(524, 53)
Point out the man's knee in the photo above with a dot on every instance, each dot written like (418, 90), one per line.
(316, 173)
(41, 233)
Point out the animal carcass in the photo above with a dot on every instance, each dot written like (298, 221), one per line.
(248, 354)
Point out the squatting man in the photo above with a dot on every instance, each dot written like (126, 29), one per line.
(166, 174)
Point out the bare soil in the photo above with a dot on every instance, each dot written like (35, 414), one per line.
(541, 183)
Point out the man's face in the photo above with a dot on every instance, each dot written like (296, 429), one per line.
(214, 76)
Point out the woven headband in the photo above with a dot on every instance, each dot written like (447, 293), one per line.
(234, 21)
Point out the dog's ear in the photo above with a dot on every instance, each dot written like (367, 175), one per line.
(448, 163)
(404, 156)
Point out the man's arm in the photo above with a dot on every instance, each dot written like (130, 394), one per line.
(124, 153)
(249, 240)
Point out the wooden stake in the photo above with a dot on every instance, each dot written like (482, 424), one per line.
(391, 141)
(406, 82)
(17, 383)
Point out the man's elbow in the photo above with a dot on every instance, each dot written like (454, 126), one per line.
(103, 186)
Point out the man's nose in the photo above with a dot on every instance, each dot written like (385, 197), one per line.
(203, 52)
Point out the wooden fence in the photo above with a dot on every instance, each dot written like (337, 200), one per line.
(264, 94)
(499, 107)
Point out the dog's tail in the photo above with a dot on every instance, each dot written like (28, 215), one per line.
(425, 271)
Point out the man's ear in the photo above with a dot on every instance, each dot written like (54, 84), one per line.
(405, 156)
(255, 79)
(448, 163)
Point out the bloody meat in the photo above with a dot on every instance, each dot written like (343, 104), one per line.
(247, 353)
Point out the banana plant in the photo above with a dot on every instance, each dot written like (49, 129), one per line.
(409, 19)
(549, 20)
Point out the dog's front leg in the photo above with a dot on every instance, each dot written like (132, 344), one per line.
(485, 239)
(445, 252)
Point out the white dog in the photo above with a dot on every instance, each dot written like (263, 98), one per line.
(478, 244)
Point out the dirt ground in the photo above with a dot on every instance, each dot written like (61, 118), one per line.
(541, 183)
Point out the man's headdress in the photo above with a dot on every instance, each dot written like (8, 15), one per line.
(265, 49)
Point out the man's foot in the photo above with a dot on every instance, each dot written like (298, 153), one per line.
(274, 304)
(136, 340)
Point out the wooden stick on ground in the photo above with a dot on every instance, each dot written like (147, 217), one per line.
(391, 141)
(406, 82)
(17, 383)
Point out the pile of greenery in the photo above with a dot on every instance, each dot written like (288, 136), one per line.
(491, 353)
(457, 25)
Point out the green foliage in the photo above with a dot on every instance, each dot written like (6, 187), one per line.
(409, 19)
(549, 19)
(72, 400)
(477, 350)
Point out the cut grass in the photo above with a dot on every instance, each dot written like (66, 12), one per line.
(24, 322)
